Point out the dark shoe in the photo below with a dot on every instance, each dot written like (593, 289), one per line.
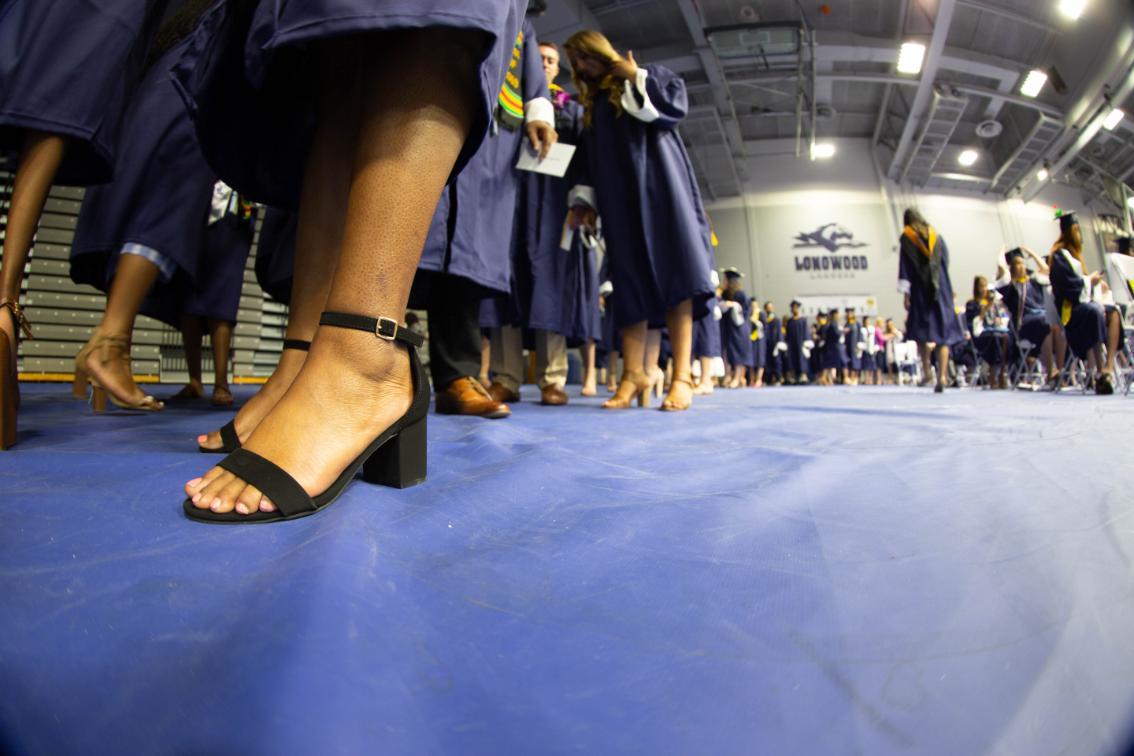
(552, 396)
(502, 394)
(465, 396)
(1104, 386)
(939, 388)
(396, 458)
(230, 441)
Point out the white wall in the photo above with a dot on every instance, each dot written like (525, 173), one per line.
(787, 196)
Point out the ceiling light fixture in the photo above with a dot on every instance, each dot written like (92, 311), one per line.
(1042, 174)
(1072, 9)
(822, 151)
(1130, 202)
(1033, 83)
(968, 158)
(910, 58)
(1112, 120)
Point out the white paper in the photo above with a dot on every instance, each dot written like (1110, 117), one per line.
(555, 164)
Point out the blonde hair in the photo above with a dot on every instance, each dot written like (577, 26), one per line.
(594, 45)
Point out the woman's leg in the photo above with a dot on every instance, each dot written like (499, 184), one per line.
(41, 158)
(589, 378)
(414, 107)
(634, 379)
(133, 277)
(942, 365)
(220, 336)
(319, 233)
(191, 337)
(1113, 339)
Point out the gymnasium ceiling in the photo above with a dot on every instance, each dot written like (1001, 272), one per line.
(844, 84)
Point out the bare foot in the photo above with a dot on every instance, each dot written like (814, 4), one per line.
(257, 408)
(336, 406)
(680, 396)
(194, 389)
(222, 396)
(589, 386)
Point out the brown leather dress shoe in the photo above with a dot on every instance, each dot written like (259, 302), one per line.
(502, 393)
(553, 396)
(465, 396)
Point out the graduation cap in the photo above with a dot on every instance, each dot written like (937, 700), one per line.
(1066, 219)
(796, 303)
(733, 274)
(1012, 254)
(1124, 245)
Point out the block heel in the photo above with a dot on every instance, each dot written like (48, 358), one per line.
(400, 462)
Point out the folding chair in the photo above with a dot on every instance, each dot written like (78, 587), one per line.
(1120, 277)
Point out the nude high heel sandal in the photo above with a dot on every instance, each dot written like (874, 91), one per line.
(641, 389)
(107, 349)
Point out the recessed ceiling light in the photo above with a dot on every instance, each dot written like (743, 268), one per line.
(1042, 174)
(967, 158)
(1130, 202)
(823, 151)
(1112, 120)
(1072, 9)
(1033, 83)
(911, 57)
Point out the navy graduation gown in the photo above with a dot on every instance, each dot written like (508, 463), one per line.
(161, 191)
(773, 335)
(834, 353)
(646, 192)
(71, 68)
(987, 344)
(931, 318)
(852, 334)
(226, 244)
(737, 339)
(758, 337)
(248, 78)
(564, 283)
(471, 235)
(797, 332)
(1084, 322)
(275, 254)
(1027, 311)
(707, 333)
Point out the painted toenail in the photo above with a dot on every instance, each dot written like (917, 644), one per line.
(242, 508)
(215, 505)
(195, 483)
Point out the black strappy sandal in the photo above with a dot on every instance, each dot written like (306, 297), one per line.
(396, 458)
(230, 441)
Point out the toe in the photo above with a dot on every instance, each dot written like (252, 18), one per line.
(207, 495)
(193, 487)
(248, 501)
(266, 505)
(224, 500)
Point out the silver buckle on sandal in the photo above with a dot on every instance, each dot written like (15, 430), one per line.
(387, 329)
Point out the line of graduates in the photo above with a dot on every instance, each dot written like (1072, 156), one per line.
(383, 135)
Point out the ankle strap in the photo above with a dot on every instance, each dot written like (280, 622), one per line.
(297, 344)
(21, 320)
(384, 328)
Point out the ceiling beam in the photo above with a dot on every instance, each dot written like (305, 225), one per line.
(1009, 14)
(725, 109)
(924, 96)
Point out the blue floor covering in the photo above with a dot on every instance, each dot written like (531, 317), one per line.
(866, 570)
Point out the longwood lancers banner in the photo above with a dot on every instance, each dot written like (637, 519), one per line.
(833, 259)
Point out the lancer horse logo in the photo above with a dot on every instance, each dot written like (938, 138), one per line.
(835, 239)
(831, 237)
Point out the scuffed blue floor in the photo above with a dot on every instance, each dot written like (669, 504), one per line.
(797, 570)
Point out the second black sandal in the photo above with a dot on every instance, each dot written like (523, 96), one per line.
(396, 458)
(230, 441)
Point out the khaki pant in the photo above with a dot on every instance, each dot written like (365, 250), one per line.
(508, 358)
